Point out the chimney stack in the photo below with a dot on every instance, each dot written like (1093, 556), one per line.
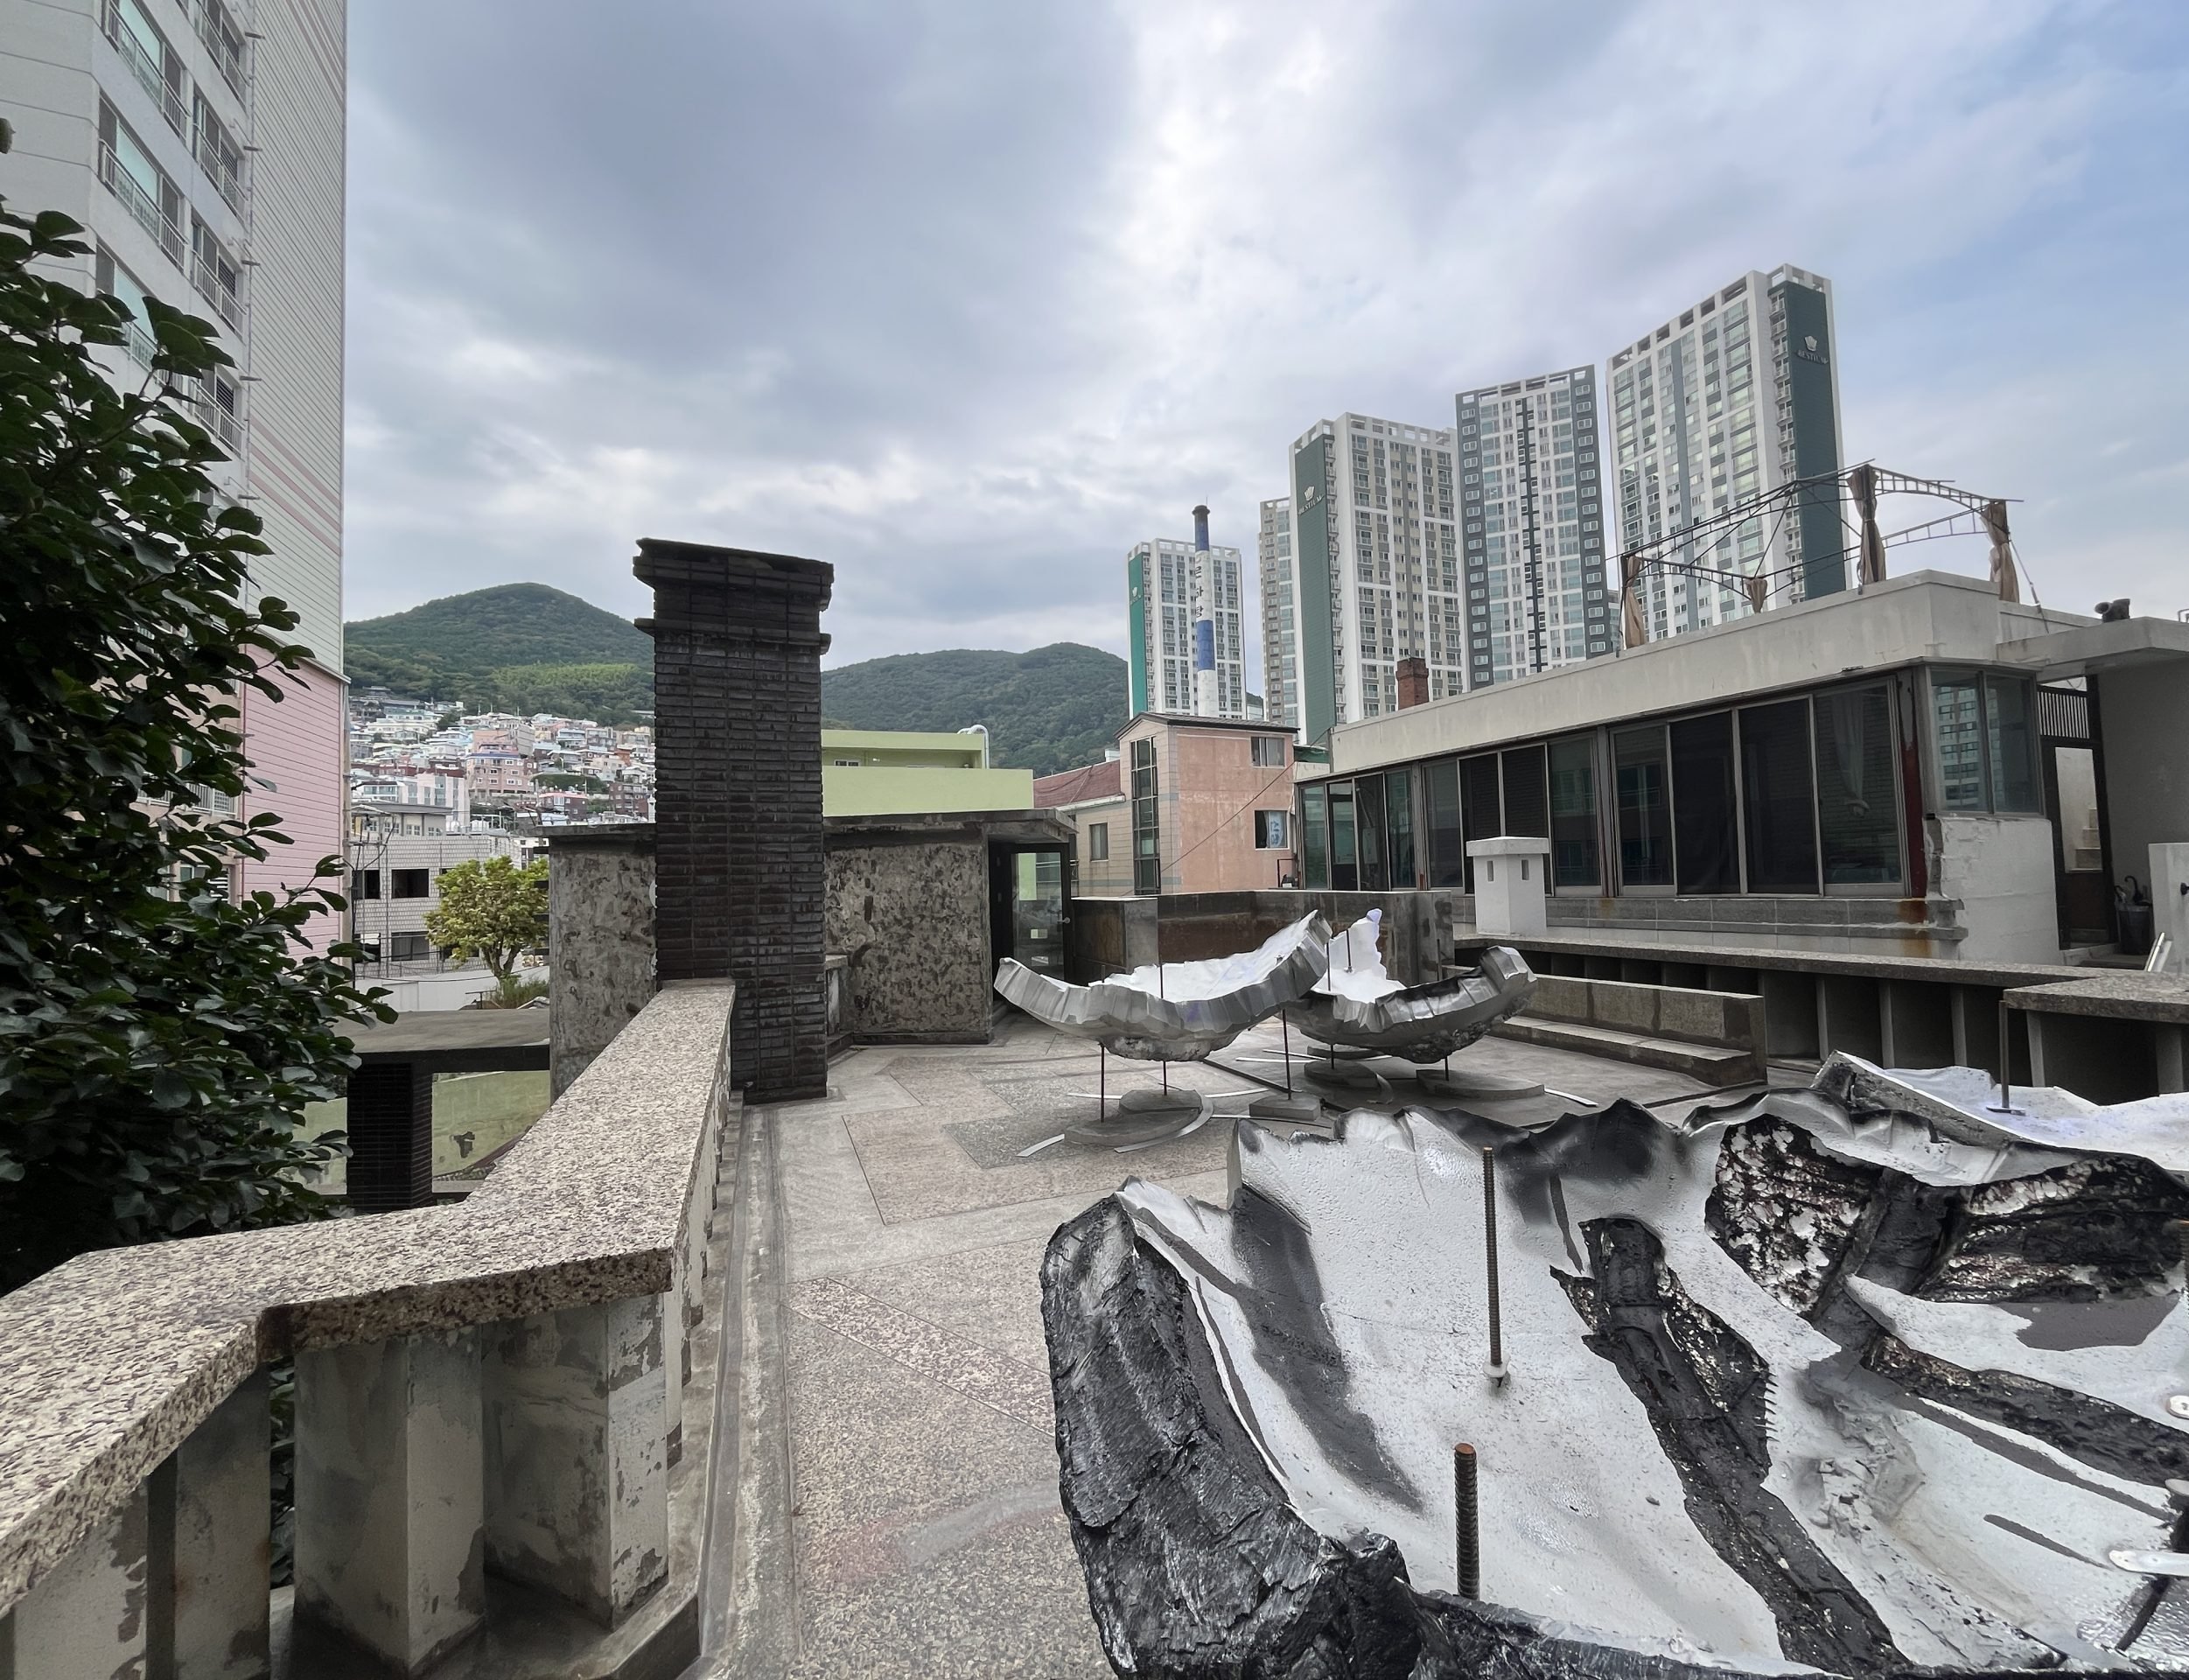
(1412, 680)
(1206, 701)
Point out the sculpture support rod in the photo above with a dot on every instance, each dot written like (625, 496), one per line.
(1489, 1261)
(1466, 1520)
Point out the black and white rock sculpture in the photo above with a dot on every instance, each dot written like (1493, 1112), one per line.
(1177, 1012)
(1858, 1380)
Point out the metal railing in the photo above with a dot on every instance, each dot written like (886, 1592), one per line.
(215, 290)
(220, 159)
(140, 344)
(218, 31)
(151, 73)
(140, 203)
(222, 423)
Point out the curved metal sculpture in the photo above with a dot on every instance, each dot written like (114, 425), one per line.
(1177, 1012)
(1358, 1004)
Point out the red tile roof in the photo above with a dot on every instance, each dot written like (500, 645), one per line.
(1102, 780)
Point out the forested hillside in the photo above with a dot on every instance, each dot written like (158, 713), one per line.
(1046, 710)
(522, 648)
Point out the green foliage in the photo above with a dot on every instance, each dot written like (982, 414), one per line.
(510, 992)
(492, 909)
(157, 1043)
(607, 694)
(1050, 710)
(522, 648)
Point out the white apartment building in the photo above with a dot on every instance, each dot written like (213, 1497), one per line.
(1280, 645)
(200, 142)
(1534, 526)
(1734, 398)
(1375, 574)
(1170, 586)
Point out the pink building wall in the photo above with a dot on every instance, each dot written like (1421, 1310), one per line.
(297, 744)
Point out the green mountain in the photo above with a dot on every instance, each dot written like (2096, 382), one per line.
(1046, 710)
(525, 647)
(520, 648)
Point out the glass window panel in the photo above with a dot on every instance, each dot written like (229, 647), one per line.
(2006, 709)
(1573, 854)
(1447, 842)
(1480, 813)
(1856, 787)
(1398, 806)
(1368, 814)
(1644, 806)
(1702, 804)
(1314, 839)
(1777, 807)
(1345, 864)
(1954, 720)
(1526, 798)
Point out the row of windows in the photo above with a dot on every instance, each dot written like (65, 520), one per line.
(1798, 795)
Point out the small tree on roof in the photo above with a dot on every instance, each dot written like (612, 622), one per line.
(492, 910)
(158, 1038)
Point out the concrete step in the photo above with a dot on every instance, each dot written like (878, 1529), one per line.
(1713, 1064)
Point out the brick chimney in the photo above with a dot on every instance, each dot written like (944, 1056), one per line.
(737, 835)
(1413, 681)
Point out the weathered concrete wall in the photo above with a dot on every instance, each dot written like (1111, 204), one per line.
(2000, 868)
(912, 915)
(600, 933)
(2143, 711)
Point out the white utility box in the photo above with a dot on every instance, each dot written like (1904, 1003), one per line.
(1512, 873)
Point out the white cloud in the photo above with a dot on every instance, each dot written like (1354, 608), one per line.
(968, 307)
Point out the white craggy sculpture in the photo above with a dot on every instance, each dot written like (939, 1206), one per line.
(1511, 874)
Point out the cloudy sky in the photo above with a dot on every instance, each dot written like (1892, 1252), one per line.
(968, 298)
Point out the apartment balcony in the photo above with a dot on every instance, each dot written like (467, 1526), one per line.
(140, 204)
(151, 73)
(205, 276)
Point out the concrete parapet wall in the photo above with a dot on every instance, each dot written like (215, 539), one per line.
(585, 1243)
(600, 936)
(1732, 1019)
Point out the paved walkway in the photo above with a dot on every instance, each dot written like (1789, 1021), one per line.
(909, 1525)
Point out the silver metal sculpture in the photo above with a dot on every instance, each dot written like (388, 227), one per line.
(1740, 1428)
(1358, 1004)
(1177, 1012)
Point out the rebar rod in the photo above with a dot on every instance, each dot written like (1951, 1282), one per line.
(1466, 1520)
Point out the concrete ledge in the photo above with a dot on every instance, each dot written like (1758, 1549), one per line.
(110, 1362)
(1713, 1064)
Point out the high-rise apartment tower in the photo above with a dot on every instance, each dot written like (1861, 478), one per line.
(1534, 526)
(202, 145)
(1734, 398)
(1375, 568)
(1171, 588)
(1280, 644)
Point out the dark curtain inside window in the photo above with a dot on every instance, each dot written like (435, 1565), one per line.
(1777, 807)
(1702, 804)
(1644, 806)
(1446, 841)
(1480, 816)
(1526, 795)
(1573, 842)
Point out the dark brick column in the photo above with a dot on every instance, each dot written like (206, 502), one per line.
(391, 1136)
(737, 852)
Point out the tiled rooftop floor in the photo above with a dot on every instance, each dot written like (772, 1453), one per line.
(924, 1526)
